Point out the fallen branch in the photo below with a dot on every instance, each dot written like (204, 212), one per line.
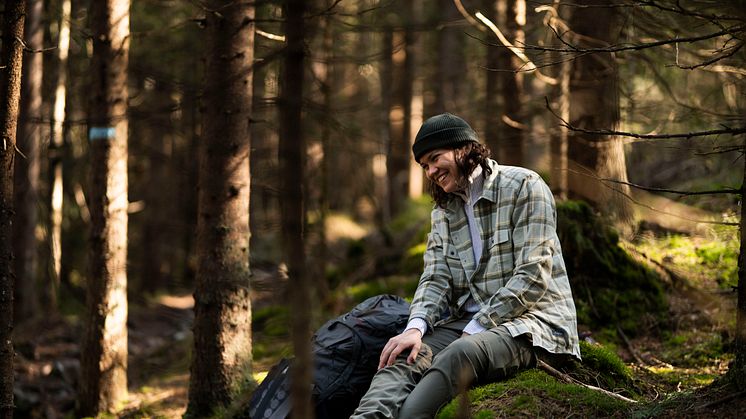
(566, 378)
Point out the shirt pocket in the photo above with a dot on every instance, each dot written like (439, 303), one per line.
(453, 261)
(500, 263)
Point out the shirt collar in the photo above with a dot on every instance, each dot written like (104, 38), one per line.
(474, 186)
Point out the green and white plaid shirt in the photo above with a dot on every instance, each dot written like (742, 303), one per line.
(520, 281)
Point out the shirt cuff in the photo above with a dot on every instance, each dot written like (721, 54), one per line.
(417, 323)
(474, 327)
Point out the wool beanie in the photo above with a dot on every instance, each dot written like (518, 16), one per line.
(442, 131)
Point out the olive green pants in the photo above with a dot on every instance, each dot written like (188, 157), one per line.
(446, 364)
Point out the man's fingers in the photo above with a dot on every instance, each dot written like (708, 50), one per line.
(413, 354)
(394, 353)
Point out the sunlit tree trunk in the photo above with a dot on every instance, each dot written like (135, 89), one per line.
(56, 143)
(222, 324)
(292, 157)
(27, 169)
(104, 351)
(11, 62)
(415, 50)
(594, 105)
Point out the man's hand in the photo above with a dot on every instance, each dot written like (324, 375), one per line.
(411, 338)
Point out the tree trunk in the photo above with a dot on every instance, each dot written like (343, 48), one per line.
(56, 152)
(398, 153)
(451, 69)
(157, 260)
(594, 105)
(292, 152)
(495, 60)
(559, 136)
(27, 170)
(104, 351)
(510, 132)
(737, 370)
(11, 62)
(222, 324)
(416, 94)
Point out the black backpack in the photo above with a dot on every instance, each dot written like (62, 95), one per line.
(346, 352)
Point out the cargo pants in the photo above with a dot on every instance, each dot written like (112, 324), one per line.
(446, 364)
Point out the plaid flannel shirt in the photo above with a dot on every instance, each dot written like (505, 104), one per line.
(520, 281)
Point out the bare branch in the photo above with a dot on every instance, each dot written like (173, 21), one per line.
(712, 60)
(673, 191)
(636, 202)
(729, 131)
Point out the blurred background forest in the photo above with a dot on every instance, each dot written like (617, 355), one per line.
(635, 108)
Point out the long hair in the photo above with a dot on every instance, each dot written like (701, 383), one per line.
(467, 157)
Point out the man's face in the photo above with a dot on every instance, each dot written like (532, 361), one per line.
(440, 167)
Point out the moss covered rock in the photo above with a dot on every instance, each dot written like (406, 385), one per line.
(611, 288)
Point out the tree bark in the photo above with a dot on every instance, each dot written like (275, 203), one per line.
(510, 80)
(104, 351)
(56, 152)
(292, 156)
(451, 69)
(221, 361)
(27, 169)
(594, 104)
(11, 63)
(399, 113)
(738, 369)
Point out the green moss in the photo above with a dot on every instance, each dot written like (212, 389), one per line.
(533, 393)
(606, 363)
(714, 256)
(609, 286)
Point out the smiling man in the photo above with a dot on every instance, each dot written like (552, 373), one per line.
(494, 295)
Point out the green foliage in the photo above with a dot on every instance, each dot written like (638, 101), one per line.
(416, 214)
(412, 261)
(272, 321)
(398, 284)
(609, 286)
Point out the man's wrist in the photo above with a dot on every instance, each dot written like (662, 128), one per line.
(418, 324)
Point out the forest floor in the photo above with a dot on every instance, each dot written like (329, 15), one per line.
(676, 370)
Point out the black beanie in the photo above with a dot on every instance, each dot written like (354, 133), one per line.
(442, 131)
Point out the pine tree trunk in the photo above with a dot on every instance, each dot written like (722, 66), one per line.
(510, 133)
(451, 68)
(56, 152)
(222, 322)
(11, 62)
(104, 352)
(27, 170)
(292, 153)
(495, 60)
(737, 369)
(559, 136)
(594, 105)
(398, 154)
(415, 54)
